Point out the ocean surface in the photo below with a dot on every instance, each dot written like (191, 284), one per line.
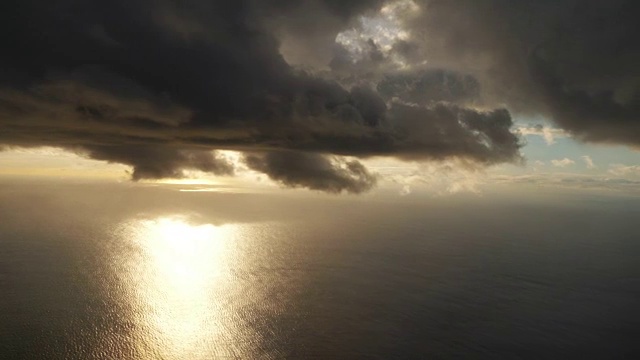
(94, 271)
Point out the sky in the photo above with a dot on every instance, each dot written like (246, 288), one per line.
(340, 97)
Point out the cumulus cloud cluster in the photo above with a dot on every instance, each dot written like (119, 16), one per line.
(161, 85)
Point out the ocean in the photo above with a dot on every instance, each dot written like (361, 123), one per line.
(126, 271)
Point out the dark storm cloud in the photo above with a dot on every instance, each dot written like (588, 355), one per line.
(430, 86)
(576, 61)
(158, 85)
(313, 171)
(153, 162)
(451, 130)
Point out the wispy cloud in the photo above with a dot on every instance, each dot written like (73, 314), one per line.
(589, 162)
(440, 178)
(547, 133)
(562, 162)
(624, 170)
(538, 165)
(572, 181)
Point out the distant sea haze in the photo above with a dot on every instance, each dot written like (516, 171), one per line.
(107, 271)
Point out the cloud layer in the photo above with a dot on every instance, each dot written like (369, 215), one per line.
(160, 85)
(575, 61)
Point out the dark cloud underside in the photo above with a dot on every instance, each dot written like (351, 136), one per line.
(312, 171)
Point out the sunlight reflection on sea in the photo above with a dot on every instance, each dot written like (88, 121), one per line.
(145, 274)
(180, 279)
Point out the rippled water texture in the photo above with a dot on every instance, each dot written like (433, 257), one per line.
(157, 274)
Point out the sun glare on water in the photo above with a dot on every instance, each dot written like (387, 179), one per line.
(180, 270)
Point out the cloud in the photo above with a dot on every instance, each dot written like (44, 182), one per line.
(548, 134)
(538, 165)
(589, 162)
(575, 181)
(152, 162)
(430, 86)
(160, 86)
(562, 162)
(439, 178)
(313, 171)
(624, 170)
(573, 61)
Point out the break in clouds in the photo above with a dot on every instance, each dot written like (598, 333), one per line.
(299, 85)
